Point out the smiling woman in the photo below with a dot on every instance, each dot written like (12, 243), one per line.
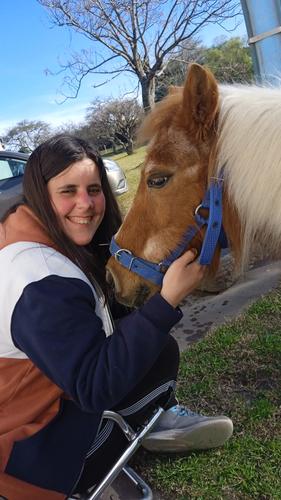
(12, 166)
(62, 360)
(78, 200)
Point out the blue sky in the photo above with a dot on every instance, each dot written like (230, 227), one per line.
(30, 45)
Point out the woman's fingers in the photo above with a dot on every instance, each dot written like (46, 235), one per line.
(188, 256)
(182, 277)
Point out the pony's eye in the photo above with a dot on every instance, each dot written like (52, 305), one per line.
(157, 182)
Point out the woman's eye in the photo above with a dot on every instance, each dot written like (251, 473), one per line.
(157, 182)
(95, 190)
(67, 191)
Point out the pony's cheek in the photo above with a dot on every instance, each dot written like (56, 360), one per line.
(153, 249)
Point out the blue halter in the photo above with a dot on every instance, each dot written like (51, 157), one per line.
(214, 234)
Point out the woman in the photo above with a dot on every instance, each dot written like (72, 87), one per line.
(61, 366)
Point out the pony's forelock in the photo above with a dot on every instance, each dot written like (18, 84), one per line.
(161, 115)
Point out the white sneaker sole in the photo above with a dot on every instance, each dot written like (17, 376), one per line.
(201, 436)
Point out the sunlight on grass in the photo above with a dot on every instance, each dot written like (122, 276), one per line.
(131, 165)
(216, 475)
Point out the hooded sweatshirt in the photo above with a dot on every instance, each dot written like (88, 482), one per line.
(60, 367)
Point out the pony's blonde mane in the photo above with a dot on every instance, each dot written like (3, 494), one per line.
(249, 147)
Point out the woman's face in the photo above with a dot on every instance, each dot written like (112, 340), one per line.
(78, 200)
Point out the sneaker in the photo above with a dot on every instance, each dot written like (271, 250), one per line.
(179, 429)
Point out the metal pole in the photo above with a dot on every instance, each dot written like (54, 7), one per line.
(263, 23)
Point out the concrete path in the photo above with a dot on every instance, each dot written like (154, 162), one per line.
(203, 311)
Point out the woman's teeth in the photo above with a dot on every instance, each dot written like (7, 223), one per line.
(80, 220)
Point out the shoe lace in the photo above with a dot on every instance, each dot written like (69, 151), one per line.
(182, 411)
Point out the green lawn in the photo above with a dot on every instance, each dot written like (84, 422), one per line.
(132, 167)
(235, 370)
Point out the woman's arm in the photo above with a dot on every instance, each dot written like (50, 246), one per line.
(55, 324)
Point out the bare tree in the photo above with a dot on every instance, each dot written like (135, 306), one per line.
(175, 70)
(115, 121)
(27, 135)
(84, 130)
(136, 36)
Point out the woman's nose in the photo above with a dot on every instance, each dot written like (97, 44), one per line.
(85, 200)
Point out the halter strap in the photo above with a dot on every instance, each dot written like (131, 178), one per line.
(148, 270)
(215, 233)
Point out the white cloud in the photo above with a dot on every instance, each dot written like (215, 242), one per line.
(73, 113)
(46, 107)
(56, 115)
(4, 125)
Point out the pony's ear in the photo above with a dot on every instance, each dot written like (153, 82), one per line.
(200, 101)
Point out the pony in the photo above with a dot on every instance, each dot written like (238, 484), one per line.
(200, 134)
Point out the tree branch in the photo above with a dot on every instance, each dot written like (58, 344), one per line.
(141, 33)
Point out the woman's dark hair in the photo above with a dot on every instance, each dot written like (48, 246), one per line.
(48, 160)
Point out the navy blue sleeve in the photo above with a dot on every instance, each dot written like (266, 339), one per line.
(55, 324)
(118, 310)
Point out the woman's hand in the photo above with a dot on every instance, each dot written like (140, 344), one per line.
(183, 276)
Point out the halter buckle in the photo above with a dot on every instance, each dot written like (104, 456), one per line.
(118, 256)
(197, 209)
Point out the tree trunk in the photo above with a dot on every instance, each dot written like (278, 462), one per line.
(130, 147)
(148, 93)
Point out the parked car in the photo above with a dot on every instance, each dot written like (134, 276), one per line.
(116, 177)
(12, 167)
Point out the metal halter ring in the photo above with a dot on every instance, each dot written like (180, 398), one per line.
(116, 255)
(197, 209)
(128, 252)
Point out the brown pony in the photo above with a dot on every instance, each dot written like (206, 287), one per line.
(192, 134)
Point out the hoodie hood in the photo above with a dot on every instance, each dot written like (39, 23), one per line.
(23, 225)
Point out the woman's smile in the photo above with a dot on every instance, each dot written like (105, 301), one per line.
(80, 220)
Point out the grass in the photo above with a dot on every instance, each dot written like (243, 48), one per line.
(235, 370)
(132, 167)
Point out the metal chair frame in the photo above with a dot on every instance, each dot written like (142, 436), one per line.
(135, 440)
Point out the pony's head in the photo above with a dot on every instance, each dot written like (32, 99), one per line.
(182, 135)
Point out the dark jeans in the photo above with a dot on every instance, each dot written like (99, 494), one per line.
(164, 370)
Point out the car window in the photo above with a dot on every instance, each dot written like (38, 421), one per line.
(10, 167)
